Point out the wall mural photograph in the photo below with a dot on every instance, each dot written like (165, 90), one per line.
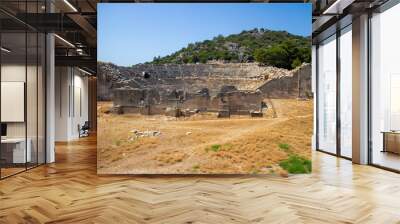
(204, 89)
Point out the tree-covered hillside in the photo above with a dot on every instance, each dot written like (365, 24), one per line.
(275, 48)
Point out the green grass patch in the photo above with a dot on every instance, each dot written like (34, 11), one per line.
(285, 147)
(214, 148)
(296, 164)
(118, 142)
(196, 167)
(227, 146)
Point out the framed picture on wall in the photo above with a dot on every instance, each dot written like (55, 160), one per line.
(204, 89)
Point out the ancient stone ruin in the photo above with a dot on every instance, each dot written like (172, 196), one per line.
(183, 90)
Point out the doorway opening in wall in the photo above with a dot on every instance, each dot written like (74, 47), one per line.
(384, 114)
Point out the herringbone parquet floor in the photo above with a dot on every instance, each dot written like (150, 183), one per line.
(69, 191)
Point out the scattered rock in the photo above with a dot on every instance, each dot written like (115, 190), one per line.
(140, 134)
(117, 109)
(256, 113)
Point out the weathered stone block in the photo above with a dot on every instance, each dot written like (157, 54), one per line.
(256, 114)
(223, 114)
(173, 112)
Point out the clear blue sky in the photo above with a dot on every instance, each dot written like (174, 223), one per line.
(134, 33)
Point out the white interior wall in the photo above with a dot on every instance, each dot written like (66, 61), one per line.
(71, 87)
(80, 104)
(62, 80)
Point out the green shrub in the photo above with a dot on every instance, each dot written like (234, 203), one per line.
(275, 48)
(296, 164)
(216, 147)
(296, 63)
(285, 147)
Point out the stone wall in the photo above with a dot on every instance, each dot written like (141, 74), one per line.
(193, 77)
(151, 101)
(237, 88)
(136, 97)
(295, 85)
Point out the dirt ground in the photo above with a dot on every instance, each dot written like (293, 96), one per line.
(204, 144)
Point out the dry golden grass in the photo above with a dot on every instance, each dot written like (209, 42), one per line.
(204, 143)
